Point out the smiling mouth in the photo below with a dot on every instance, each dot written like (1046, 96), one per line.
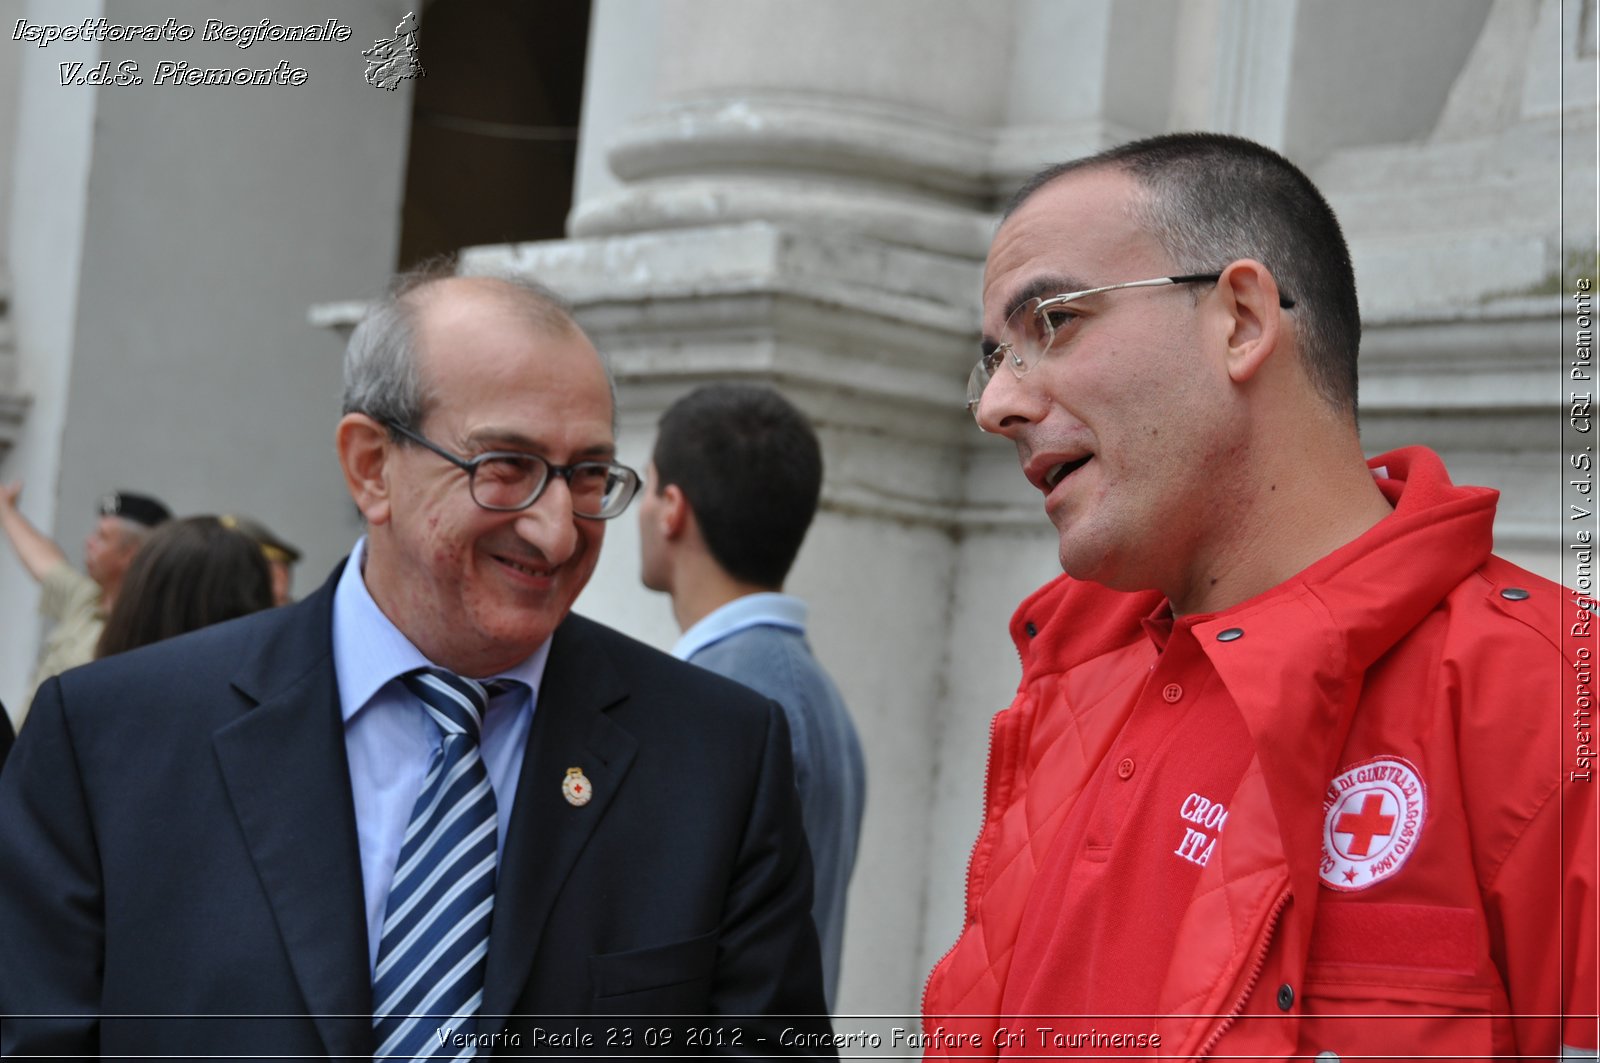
(524, 568)
(1060, 472)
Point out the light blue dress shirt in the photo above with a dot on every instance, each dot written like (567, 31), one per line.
(389, 738)
(753, 610)
(759, 640)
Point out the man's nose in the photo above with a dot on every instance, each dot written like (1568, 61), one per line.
(1008, 403)
(549, 523)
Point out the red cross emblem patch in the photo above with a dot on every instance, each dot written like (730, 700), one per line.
(1373, 814)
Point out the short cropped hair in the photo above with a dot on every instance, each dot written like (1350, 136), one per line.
(1211, 199)
(189, 574)
(750, 466)
(381, 376)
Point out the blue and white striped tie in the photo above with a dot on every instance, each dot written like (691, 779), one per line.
(435, 944)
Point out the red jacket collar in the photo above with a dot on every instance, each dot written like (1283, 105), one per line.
(1372, 590)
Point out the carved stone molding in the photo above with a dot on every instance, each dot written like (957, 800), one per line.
(873, 341)
(1484, 386)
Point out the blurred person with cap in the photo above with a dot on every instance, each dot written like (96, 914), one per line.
(281, 557)
(192, 572)
(78, 603)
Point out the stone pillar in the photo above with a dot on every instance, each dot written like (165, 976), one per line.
(165, 243)
(13, 404)
(48, 157)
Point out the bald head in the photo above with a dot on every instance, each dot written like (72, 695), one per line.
(537, 306)
(383, 377)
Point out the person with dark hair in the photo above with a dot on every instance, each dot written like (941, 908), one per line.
(189, 574)
(78, 603)
(732, 486)
(281, 556)
(414, 812)
(1287, 772)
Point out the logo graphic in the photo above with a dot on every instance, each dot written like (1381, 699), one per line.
(1372, 817)
(576, 788)
(392, 61)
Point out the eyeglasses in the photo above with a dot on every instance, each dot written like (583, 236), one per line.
(1034, 326)
(507, 481)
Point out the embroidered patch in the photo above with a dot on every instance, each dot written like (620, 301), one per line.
(1372, 817)
(1208, 815)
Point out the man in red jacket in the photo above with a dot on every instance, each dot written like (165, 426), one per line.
(1291, 768)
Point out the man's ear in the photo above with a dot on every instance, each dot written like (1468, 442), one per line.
(364, 450)
(674, 514)
(1250, 295)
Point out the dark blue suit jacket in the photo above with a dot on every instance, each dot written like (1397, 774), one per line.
(177, 838)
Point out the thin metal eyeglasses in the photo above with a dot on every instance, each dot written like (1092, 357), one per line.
(1031, 330)
(507, 481)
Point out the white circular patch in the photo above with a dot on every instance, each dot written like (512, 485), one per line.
(1372, 818)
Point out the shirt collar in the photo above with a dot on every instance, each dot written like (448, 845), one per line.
(767, 608)
(369, 651)
(1159, 625)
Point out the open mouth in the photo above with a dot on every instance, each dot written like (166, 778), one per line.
(1057, 473)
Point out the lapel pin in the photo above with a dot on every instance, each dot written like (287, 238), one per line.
(577, 788)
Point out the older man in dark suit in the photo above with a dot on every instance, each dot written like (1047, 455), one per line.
(425, 806)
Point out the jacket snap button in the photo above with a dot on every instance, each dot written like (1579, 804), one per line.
(1327, 1057)
(1173, 693)
(1229, 634)
(1030, 629)
(1125, 767)
(1514, 594)
(1285, 997)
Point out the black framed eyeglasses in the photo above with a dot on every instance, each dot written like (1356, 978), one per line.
(1032, 328)
(506, 481)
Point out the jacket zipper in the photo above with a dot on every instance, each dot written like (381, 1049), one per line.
(983, 826)
(969, 910)
(1259, 961)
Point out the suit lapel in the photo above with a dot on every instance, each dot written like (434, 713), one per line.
(547, 832)
(288, 778)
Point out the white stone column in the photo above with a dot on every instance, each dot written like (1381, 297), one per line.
(12, 403)
(49, 159)
(165, 241)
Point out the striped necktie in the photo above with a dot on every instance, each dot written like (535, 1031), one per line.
(435, 944)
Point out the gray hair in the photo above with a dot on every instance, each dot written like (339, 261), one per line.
(381, 375)
(133, 533)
